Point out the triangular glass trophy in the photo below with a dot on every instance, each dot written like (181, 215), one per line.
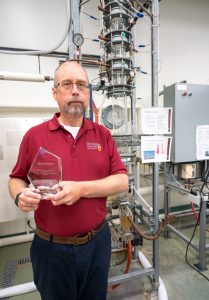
(46, 172)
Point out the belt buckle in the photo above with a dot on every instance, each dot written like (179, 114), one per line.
(75, 240)
(90, 235)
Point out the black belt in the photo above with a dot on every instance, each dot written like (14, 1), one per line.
(70, 240)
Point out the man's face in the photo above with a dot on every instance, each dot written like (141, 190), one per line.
(71, 91)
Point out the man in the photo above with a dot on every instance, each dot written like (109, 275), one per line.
(71, 249)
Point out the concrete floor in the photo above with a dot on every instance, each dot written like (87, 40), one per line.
(180, 280)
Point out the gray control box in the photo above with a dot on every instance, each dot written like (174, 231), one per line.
(190, 103)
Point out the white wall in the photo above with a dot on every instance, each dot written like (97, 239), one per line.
(184, 41)
(40, 24)
(37, 24)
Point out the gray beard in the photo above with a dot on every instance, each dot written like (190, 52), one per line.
(75, 110)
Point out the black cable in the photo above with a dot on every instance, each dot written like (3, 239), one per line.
(191, 241)
(39, 65)
(204, 183)
(29, 225)
(206, 173)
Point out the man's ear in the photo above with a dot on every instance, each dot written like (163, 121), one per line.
(54, 93)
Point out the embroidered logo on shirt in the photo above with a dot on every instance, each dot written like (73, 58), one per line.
(94, 146)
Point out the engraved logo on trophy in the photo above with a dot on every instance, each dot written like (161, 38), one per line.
(46, 172)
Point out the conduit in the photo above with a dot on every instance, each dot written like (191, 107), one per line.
(16, 240)
(162, 292)
(17, 290)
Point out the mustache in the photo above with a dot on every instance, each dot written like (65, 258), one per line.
(74, 99)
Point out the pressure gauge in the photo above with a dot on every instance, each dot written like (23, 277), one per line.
(78, 39)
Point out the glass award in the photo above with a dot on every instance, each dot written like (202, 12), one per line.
(46, 172)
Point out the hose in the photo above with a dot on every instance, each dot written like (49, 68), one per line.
(129, 251)
(195, 214)
(147, 237)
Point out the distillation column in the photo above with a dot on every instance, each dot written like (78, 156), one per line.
(117, 44)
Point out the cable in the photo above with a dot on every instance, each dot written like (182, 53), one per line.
(143, 46)
(139, 14)
(29, 225)
(92, 17)
(140, 4)
(93, 40)
(127, 10)
(45, 51)
(186, 259)
(84, 2)
(195, 214)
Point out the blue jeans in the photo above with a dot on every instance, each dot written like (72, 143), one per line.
(67, 272)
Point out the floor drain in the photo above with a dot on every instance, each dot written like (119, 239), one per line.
(9, 272)
(25, 260)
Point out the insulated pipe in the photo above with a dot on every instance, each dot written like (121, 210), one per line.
(143, 200)
(24, 77)
(16, 240)
(162, 292)
(148, 190)
(17, 290)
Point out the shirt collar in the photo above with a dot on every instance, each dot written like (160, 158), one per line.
(54, 123)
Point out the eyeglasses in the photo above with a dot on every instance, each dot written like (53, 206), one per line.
(68, 85)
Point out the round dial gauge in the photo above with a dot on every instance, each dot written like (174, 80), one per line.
(78, 39)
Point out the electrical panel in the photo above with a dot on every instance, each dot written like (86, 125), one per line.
(190, 103)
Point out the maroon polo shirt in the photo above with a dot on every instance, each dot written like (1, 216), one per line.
(92, 155)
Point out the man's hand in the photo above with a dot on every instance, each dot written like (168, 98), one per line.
(69, 192)
(29, 199)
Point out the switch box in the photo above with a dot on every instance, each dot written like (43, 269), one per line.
(190, 104)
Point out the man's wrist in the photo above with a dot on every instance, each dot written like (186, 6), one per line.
(17, 198)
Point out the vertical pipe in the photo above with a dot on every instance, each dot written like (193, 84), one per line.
(133, 96)
(155, 196)
(166, 197)
(75, 17)
(91, 103)
(71, 46)
(202, 236)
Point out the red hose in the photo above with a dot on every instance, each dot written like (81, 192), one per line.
(195, 214)
(129, 252)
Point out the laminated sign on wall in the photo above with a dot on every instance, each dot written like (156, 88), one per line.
(12, 131)
(156, 120)
(155, 148)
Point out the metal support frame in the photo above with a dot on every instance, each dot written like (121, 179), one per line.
(202, 247)
(155, 199)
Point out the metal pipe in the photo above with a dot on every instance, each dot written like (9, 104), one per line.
(162, 292)
(91, 103)
(143, 200)
(16, 240)
(24, 77)
(154, 36)
(17, 290)
(71, 46)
